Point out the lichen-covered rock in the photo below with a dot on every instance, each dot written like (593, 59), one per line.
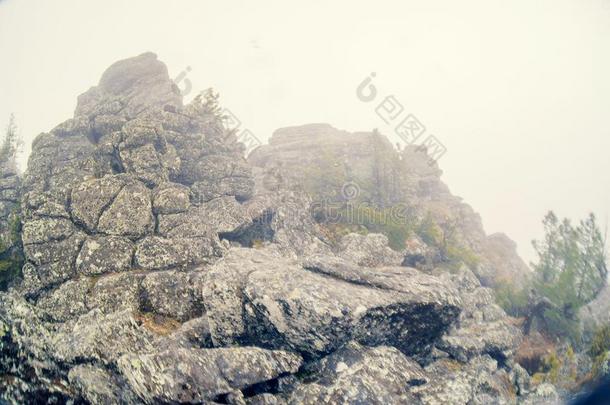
(98, 386)
(105, 254)
(55, 259)
(283, 217)
(115, 291)
(171, 198)
(544, 394)
(100, 337)
(222, 215)
(287, 306)
(10, 194)
(369, 250)
(484, 327)
(194, 333)
(145, 152)
(47, 230)
(480, 381)
(156, 252)
(361, 375)
(170, 293)
(129, 214)
(110, 190)
(90, 198)
(67, 301)
(130, 86)
(200, 375)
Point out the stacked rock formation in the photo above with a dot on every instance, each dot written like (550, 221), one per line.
(387, 176)
(161, 269)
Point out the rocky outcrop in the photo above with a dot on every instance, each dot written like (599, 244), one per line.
(364, 167)
(162, 269)
(10, 243)
(260, 298)
(116, 187)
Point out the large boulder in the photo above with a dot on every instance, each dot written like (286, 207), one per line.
(201, 375)
(256, 296)
(361, 375)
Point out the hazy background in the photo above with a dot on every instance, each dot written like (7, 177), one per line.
(518, 92)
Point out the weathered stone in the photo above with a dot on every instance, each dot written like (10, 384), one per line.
(170, 293)
(240, 187)
(194, 333)
(141, 83)
(360, 375)
(130, 214)
(54, 260)
(200, 375)
(105, 254)
(67, 301)
(368, 250)
(77, 126)
(47, 230)
(116, 291)
(289, 307)
(484, 327)
(98, 386)
(222, 215)
(106, 124)
(215, 167)
(283, 217)
(90, 199)
(171, 198)
(155, 252)
(100, 337)
(545, 393)
(478, 382)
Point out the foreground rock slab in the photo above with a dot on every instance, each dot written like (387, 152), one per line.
(198, 375)
(258, 297)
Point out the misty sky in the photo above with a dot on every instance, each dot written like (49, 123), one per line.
(518, 92)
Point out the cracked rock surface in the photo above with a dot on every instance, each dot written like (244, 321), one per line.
(161, 267)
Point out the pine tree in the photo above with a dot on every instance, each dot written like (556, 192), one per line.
(10, 146)
(570, 272)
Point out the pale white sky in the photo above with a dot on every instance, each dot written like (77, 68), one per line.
(519, 92)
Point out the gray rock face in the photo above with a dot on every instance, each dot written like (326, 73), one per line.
(483, 327)
(204, 374)
(99, 337)
(304, 155)
(360, 375)
(273, 302)
(162, 269)
(97, 386)
(130, 86)
(369, 250)
(103, 254)
(112, 189)
(170, 293)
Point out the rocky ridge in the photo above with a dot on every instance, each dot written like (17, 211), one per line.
(163, 268)
(385, 176)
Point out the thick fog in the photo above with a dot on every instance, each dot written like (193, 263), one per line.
(517, 92)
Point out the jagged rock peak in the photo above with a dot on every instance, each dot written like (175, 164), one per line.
(163, 268)
(137, 83)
